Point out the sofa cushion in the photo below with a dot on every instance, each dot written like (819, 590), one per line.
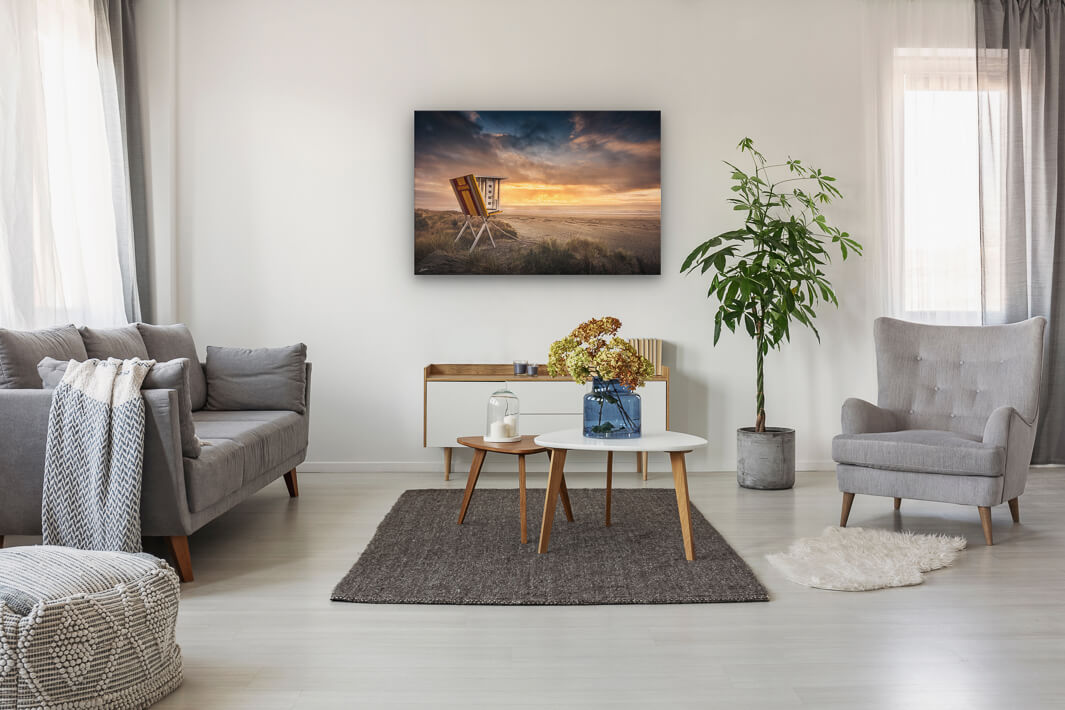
(257, 379)
(21, 350)
(171, 375)
(167, 342)
(921, 450)
(269, 438)
(217, 472)
(123, 343)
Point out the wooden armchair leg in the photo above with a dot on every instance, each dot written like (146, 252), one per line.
(848, 499)
(898, 503)
(179, 549)
(1, 541)
(293, 484)
(985, 522)
(1015, 511)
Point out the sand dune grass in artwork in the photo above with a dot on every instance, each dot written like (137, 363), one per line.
(528, 244)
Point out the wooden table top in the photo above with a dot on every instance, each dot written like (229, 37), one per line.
(525, 446)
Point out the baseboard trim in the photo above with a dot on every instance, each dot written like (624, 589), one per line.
(500, 466)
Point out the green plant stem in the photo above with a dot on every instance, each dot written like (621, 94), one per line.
(759, 421)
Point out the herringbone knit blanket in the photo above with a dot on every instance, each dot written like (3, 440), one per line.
(92, 462)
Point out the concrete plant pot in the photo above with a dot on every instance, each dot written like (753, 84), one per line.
(765, 460)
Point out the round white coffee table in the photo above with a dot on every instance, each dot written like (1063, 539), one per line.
(674, 443)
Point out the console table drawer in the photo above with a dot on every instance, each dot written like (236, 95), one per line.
(549, 397)
(544, 423)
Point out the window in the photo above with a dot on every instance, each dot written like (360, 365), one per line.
(937, 206)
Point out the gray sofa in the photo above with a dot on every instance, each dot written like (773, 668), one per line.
(955, 419)
(243, 450)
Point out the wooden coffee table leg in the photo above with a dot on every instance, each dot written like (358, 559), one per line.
(680, 482)
(564, 493)
(521, 495)
(554, 484)
(471, 482)
(609, 475)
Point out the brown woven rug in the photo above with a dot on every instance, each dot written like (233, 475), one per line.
(420, 555)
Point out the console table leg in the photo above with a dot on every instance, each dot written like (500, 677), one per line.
(643, 463)
(680, 482)
(447, 463)
(554, 484)
(609, 475)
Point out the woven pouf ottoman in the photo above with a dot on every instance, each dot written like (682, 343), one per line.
(82, 629)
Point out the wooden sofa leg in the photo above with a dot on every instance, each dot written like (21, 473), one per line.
(179, 548)
(985, 521)
(848, 499)
(1015, 511)
(1, 541)
(898, 503)
(293, 484)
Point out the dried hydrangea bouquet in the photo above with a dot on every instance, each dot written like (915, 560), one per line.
(593, 350)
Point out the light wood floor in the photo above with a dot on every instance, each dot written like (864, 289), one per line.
(258, 630)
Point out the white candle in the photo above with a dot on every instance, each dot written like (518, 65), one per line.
(498, 430)
(511, 423)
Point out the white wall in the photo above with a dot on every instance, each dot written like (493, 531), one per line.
(294, 195)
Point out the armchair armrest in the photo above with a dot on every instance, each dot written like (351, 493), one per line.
(1000, 422)
(861, 417)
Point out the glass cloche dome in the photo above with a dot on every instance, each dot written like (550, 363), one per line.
(502, 421)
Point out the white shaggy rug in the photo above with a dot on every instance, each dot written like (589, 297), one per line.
(857, 559)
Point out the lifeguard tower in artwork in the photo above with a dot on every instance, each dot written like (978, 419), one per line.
(478, 196)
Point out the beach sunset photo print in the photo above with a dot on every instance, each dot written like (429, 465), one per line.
(537, 192)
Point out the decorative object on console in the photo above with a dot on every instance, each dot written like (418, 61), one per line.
(520, 367)
(768, 274)
(612, 408)
(501, 424)
(582, 192)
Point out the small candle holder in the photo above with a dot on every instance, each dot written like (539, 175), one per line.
(502, 420)
(532, 370)
(520, 367)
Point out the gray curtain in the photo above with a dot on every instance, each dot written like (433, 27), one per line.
(117, 59)
(1020, 56)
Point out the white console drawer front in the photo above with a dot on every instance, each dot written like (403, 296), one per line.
(653, 406)
(549, 397)
(544, 423)
(455, 409)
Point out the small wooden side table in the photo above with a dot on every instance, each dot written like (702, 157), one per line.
(520, 449)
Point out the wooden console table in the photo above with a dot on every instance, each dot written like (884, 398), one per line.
(455, 397)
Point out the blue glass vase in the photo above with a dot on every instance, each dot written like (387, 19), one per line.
(611, 411)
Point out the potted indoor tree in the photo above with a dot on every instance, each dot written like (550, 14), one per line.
(767, 275)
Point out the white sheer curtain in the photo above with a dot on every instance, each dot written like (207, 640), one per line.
(62, 225)
(922, 73)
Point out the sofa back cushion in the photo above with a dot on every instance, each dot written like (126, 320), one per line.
(950, 378)
(170, 375)
(261, 378)
(123, 343)
(168, 342)
(21, 350)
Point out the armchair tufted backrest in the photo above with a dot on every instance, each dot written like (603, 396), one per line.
(951, 378)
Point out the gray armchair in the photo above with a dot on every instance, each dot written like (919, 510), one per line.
(955, 417)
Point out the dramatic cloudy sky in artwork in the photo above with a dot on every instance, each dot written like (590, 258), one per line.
(559, 160)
